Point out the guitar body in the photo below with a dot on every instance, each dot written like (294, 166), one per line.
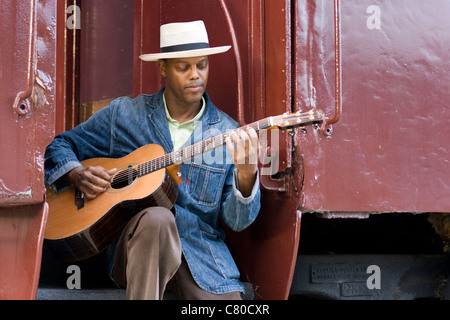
(78, 228)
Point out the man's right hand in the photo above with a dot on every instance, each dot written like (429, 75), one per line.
(91, 181)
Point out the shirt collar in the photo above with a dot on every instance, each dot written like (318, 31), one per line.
(193, 120)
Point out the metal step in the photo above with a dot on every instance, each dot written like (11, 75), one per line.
(348, 277)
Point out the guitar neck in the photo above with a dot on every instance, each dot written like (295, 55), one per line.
(197, 149)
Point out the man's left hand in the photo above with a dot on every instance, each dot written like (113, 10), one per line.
(245, 156)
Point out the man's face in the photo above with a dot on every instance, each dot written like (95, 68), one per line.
(186, 78)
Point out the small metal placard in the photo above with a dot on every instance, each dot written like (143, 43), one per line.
(338, 272)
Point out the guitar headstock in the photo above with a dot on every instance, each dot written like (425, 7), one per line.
(288, 121)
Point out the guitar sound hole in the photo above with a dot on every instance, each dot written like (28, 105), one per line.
(124, 178)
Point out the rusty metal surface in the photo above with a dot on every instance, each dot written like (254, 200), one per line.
(389, 152)
(27, 79)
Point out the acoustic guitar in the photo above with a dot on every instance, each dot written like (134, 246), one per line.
(78, 228)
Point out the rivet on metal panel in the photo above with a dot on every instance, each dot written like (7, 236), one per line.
(23, 109)
(21, 104)
(327, 128)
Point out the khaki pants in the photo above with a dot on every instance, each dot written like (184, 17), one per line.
(148, 256)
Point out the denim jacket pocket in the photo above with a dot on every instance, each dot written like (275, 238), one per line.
(205, 184)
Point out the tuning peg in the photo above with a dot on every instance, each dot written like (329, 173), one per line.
(291, 132)
(303, 130)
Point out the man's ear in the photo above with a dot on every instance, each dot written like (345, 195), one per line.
(162, 68)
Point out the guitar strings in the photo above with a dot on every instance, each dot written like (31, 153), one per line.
(181, 155)
(167, 160)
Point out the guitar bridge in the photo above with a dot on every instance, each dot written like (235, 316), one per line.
(79, 199)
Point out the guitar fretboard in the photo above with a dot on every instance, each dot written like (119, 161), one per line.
(196, 149)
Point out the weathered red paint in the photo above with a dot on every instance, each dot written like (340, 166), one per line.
(27, 99)
(106, 50)
(326, 126)
(267, 251)
(68, 68)
(22, 231)
(389, 151)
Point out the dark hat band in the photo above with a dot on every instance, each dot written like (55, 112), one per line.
(185, 47)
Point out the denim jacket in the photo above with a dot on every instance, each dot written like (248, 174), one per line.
(209, 187)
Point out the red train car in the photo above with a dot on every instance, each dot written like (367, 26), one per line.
(358, 209)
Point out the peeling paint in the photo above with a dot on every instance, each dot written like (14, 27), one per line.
(8, 193)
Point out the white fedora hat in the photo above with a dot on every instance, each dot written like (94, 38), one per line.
(183, 40)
